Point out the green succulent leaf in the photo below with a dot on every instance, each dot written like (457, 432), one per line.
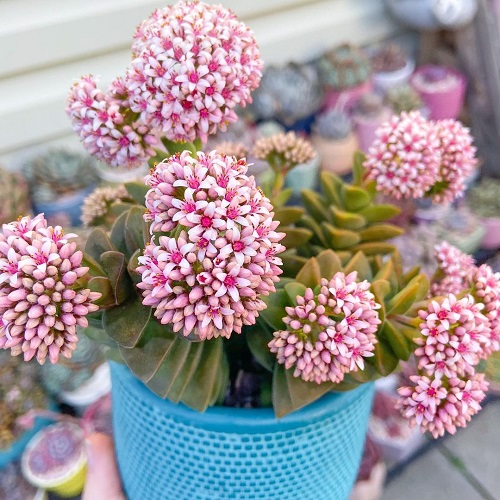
(295, 290)
(281, 199)
(120, 207)
(358, 170)
(94, 268)
(409, 275)
(292, 393)
(316, 205)
(347, 220)
(374, 248)
(384, 360)
(380, 232)
(355, 198)
(295, 236)
(308, 222)
(396, 340)
(387, 273)
(288, 215)
(134, 229)
(115, 265)
(292, 263)
(258, 337)
(403, 300)
(379, 213)
(339, 238)
(275, 312)
(102, 285)
(329, 264)
(97, 243)
(360, 264)
(132, 265)
(310, 274)
(137, 191)
(127, 322)
(117, 234)
(332, 188)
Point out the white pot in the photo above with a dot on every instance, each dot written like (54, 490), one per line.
(386, 80)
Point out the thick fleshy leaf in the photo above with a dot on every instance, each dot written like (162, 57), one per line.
(409, 275)
(332, 188)
(396, 340)
(383, 360)
(329, 264)
(134, 229)
(339, 238)
(347, 220)
(374, 248)
(381, 289)
(258, 337)
(292, 264)
(380, 232)
(387, 273)
(288, 215)
(126, 322)
(295, 236)
(358, 171)
(316, 205)
(94, 268)
(283, 196)
(310, 274)
(97, 243)
(137, 191)
(295, 290)
(403, 300)
(355, 198)
(132, 265)
(119, 208)
(292, 393)
(308, 222)
(275, 312)
(102, 285)
(360, 264)
(116, 268)
(117, 234)
(100, 336)
(379, 213)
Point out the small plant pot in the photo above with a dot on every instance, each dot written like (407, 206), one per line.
(171, 451)
(346, 98)
(303, 176)
(366, 127)
(491, 239)
(336, 155)
(385, 80)
(65, 211)
(441, 103)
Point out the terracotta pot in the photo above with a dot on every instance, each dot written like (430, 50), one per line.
(336, 155)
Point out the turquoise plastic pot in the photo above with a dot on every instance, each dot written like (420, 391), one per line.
(169, 451)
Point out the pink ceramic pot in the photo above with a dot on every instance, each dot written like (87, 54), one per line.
(367, 126)
(443, 104)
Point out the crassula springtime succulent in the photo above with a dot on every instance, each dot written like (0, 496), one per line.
(203, 275)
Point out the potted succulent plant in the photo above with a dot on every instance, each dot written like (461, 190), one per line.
(405, 99)
(335, 141)
(20, 392)
(391, 67)
(369, 113)
(214, 292)
(15, 198)
(442, 89)
(345, 74)
(290, 94)
(59, 181)
(484, 200)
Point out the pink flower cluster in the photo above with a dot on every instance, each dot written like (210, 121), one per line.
(41, 302)
(415, 158)
(206, 278)
(329, 334)
(193, 64)
(105, 125)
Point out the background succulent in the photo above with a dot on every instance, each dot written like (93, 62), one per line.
(343, 67)
(333, 124)
(390, 57)
(484, 198)
(404, 98)
(369, 105)
(14, 196)
(58, 172)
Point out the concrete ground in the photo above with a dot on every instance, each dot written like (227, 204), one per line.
(465, 466)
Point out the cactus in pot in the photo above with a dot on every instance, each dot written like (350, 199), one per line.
(14, 196)
(344, 73)
(404, 98)
(59, 181)
(391, 67)
(335, 141)
(368, 114)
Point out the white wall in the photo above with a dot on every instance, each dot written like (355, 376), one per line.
(46, 44)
